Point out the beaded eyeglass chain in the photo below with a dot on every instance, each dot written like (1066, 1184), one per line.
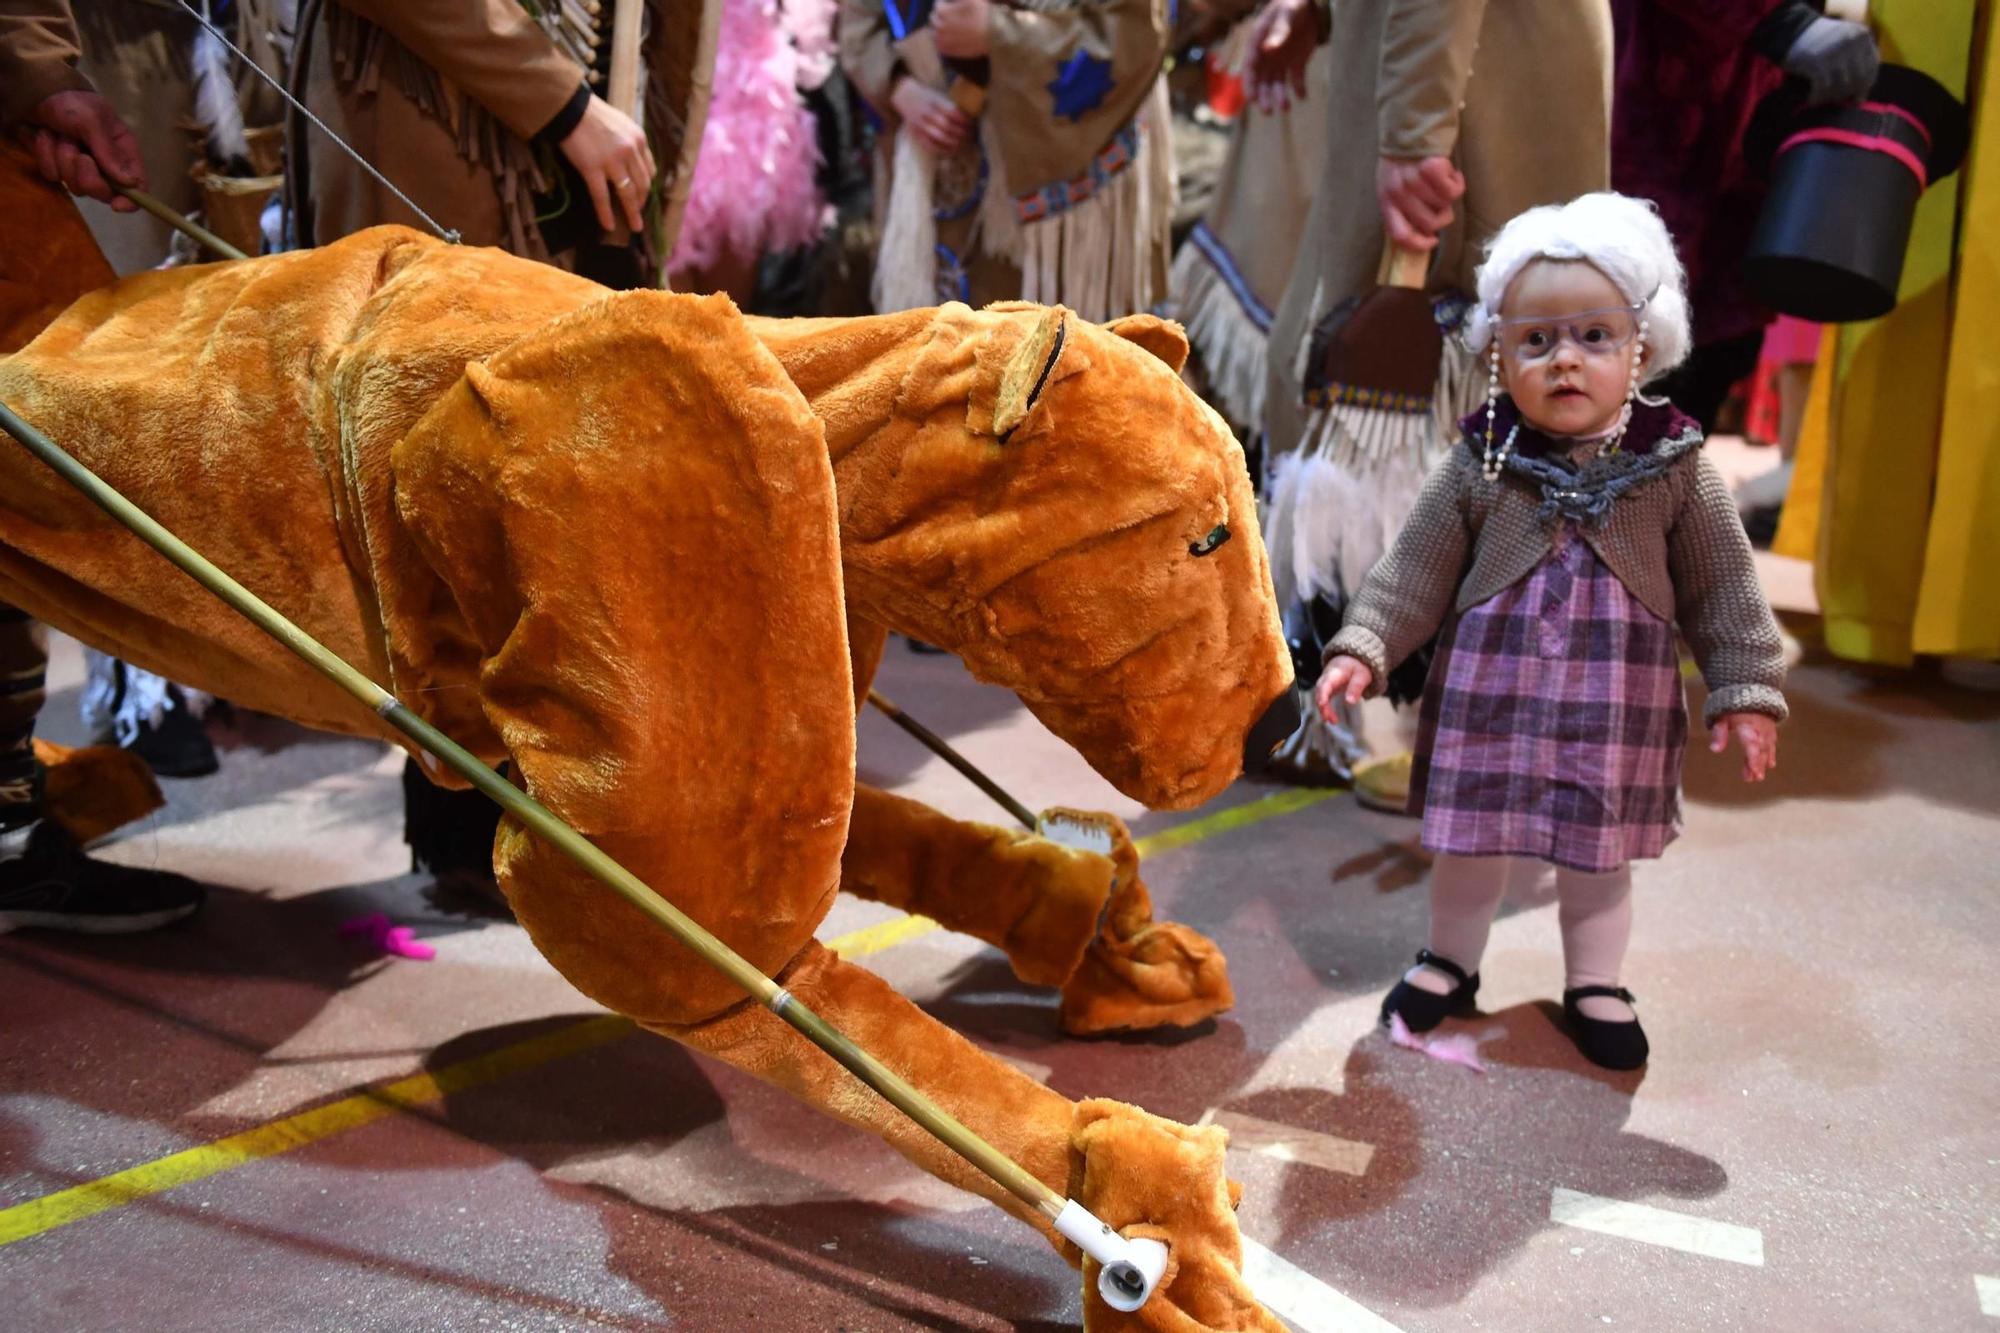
(1496, 459)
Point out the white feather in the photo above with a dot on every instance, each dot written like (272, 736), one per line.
(215, 104)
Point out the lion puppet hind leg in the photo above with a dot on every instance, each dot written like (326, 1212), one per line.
(1159, 1179)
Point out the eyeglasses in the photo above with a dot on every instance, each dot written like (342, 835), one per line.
(1534, 338)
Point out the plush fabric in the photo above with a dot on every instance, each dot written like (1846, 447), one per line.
(1154, 1179)
(47, 255)
(1141, 973)
(619, 540)
(997, 551)
(1067, 918)
(755, 186)
(95, 790)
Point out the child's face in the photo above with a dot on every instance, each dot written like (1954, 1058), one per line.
(1568, 338)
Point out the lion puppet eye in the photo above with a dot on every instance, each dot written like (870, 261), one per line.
(1207, 545)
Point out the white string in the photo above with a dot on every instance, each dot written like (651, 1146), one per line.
(450, 236)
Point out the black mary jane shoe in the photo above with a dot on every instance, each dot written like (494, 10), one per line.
(1423, 1010)
(1604, 1043)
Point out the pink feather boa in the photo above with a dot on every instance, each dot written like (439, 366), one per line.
(754, 186)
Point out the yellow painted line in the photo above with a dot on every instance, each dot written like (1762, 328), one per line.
(36, 1216)
(296, 1131)
(882, 935)
(1241, 816)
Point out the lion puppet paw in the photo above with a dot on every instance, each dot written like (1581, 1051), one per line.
(1156, 1179)
(1138, 972)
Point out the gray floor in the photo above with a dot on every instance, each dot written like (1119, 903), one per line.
(1815, 1146)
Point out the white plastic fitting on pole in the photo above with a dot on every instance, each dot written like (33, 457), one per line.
(1127, 1270)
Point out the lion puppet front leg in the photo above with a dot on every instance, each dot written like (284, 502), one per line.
(1068, 918)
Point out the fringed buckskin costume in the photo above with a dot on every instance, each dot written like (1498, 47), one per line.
(1230, 272)
(1518, 95)
(646, 550)
(1065, 190)
(455, 100)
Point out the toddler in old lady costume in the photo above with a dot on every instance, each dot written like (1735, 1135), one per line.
(1556, 548)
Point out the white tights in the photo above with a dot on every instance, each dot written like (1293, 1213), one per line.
(1595, 915)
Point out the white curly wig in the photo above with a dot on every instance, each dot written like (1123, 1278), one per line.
(1623, 238)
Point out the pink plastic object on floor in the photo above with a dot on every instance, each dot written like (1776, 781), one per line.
(1454, 1048)
(396, 941)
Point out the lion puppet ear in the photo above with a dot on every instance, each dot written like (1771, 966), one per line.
(1162, 337)
(1027, 372)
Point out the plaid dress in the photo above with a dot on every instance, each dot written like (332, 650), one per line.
(1554, 723)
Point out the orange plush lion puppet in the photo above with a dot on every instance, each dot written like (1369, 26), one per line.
(646, 550)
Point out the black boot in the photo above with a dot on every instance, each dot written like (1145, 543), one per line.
(54, 886)
(1423, 1010)
(179, 746)
(450, 834)
(1603, 1042)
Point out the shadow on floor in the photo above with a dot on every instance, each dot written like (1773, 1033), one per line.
(1858, 732)
(247, 973)
(633, 1099)
(1464, 1165)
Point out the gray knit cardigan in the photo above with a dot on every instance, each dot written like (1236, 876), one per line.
(1673, 539)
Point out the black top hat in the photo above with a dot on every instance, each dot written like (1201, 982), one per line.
(1845, 179)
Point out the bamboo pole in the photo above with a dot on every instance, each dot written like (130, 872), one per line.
(1006, 1173)
(200, 234)
(623, 92)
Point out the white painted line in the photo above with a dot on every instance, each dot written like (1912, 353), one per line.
(1307, 1302)
(1657, 1226)
(1989, 1294)
(1267, 1138)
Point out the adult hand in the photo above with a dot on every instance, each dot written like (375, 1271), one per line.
(1415, 196)
(83, 145)
(1281, 46)
(959, 27)
(608, 149)
(934, 118)
(1756, 733)
(1346, 676)
(1839, 59)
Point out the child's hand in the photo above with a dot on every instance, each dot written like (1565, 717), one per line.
(1342, 675)
(1757, 734)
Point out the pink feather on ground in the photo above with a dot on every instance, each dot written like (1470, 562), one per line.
(755, 179)
(1455, 1048)
(396, 941)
